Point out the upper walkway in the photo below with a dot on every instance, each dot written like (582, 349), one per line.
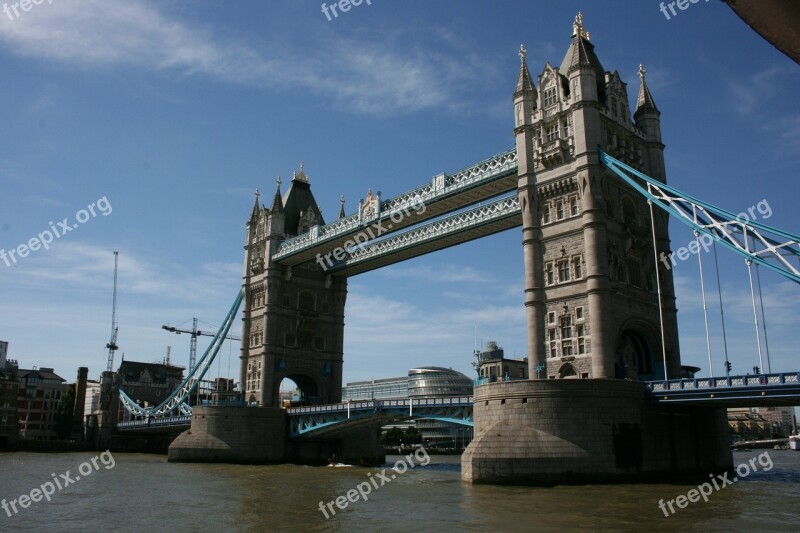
(444, 194)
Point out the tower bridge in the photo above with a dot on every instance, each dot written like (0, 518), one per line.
(587, 183)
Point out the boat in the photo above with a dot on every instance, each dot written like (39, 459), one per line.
(794, 443)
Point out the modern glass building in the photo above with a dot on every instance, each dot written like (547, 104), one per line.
(422, 382)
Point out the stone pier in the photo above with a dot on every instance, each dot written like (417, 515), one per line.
(260, 435)
(547, 432)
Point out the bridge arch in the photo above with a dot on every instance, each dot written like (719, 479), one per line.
(636, 351)
(308, 389)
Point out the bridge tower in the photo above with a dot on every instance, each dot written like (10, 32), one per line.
(591, 297)
(590, 271)
(293, 319)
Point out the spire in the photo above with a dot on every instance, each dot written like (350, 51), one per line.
(277, 203)
(524, 83)
(254, 213)
(341, 207)
(645, 100)
(300, 176)
(581, 51)
(577, 27)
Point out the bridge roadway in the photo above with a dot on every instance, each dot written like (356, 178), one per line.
(762, 390)
(446, 193)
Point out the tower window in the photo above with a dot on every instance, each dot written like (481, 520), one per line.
(581, 330)
(563, 271)
(634, 272)
(546, 213)
(573, 206)
(306, 301)
(551, 336)
(579, 313)
(576, 262)
(566, 328)
(550, 97)
(560, 210)
(552, 132)
(548, 274)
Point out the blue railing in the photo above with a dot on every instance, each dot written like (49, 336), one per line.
(380, 405)
(731, 382)
(181, 420)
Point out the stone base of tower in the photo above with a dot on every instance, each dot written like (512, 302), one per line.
(232, 435)
(547, 432)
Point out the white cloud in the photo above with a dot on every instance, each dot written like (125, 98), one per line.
(367, 75)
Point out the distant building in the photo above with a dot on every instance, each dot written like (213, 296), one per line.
(3, 354)
(9, 389)
(148, 384)
(38, 401)
(421, 382)
(746, 424)
(376, 389)
(781, 420)
(91, 410)
(492, 365)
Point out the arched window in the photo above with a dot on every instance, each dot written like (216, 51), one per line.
(306, 301)
(628, 211)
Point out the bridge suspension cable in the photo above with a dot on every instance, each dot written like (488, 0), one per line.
(756, 242)
(177, 400)
(722, 313)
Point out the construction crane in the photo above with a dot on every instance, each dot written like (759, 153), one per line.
(112, 344)
(194, 332)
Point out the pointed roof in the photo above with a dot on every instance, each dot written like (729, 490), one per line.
(277, 203)
(298, 200)
(524, 83)
(645, 100)
(581, 52)
(341, 207)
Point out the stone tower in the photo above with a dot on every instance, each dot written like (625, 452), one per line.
(293, 319)
(591, 286)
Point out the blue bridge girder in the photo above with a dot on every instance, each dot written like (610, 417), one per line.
(464, 226)
(760, 390)
(444, 194)
(319, 420)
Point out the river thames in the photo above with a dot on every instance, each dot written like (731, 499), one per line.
(134, 492)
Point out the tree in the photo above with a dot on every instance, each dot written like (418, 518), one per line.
(393, 437)
(412, 435)
(64, 418)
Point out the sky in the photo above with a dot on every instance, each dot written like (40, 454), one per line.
(165, 117)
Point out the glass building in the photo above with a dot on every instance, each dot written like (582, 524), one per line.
(422, 382)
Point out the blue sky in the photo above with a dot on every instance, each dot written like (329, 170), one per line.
(175, 112)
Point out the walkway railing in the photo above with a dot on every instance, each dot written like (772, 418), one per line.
(443, 185)
(182, 420)
(758, 380)
(379, 405)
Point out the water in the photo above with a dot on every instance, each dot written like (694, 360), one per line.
(145, 493)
